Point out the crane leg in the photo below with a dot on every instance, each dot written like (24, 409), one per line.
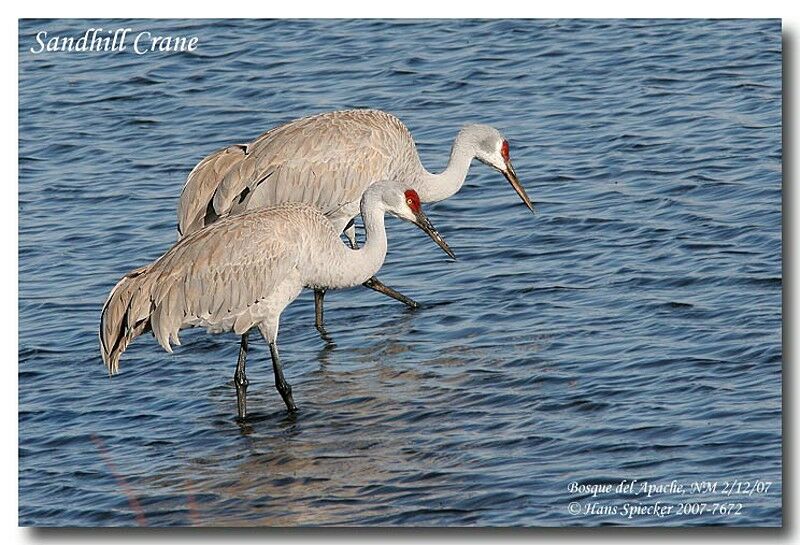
(375, 284)
(281, 385)
(350, 233)
(240, 379)
(319, 295)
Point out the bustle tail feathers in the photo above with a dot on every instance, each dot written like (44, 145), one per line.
(125, 316)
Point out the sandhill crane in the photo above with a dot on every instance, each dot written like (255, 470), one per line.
(242, 271)
(329, 160)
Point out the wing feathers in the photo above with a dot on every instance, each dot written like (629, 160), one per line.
(327, 160)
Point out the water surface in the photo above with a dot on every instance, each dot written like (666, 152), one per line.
(631, 329)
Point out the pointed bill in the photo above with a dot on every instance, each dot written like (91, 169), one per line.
(425, 224)
(511, 176)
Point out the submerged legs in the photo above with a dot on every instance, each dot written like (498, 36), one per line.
(319, 295)
(241, 382)
(373, 284)
(240, 379)
(282, 386)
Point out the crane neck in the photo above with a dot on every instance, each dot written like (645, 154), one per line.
(361, 264)
(437, 187)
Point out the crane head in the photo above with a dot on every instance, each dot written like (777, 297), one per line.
(414, 205)
(397, 199)
(492, 149)
(409, 208)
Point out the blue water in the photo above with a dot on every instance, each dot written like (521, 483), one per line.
(630, 329)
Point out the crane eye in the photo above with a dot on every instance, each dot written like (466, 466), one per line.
(412, 200)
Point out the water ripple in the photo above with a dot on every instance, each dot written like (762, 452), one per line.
(631, 329)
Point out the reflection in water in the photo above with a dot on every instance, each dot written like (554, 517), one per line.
(315, 465)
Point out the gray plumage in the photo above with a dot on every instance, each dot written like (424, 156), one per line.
(328, 160)
(200, 186)
(242, 271)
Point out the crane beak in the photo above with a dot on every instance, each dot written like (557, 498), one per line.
(425, 224)
(511, 176)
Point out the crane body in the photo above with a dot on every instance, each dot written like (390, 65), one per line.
(243, 270)
(329, 160)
